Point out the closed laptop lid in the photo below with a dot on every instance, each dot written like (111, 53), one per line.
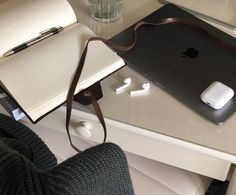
(221, 11)
(181, 60)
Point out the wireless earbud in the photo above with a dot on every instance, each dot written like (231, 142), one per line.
(126, 82)
(145, 88)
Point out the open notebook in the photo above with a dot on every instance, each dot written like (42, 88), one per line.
(38, 77)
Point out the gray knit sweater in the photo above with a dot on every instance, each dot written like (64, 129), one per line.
(27, 167)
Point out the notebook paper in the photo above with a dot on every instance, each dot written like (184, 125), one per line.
(22, 20)
(39, 77)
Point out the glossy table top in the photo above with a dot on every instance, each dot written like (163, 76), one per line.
(157, 111)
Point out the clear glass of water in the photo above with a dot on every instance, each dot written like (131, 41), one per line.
(105, 10)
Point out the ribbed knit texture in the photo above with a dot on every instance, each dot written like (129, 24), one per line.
(41, 156)
(101, 170)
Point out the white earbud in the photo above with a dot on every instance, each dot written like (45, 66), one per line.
(145, 89)
(126, 82)
(84, 129)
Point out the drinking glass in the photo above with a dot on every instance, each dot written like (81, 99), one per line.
(105, 10)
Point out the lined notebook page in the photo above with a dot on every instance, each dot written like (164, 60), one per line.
(39, 76)
(22, 20)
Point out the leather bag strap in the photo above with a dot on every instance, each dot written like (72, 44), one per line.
(140, 24)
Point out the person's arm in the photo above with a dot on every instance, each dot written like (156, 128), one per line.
(102, 169)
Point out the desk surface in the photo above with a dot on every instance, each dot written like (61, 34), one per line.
(157, 111)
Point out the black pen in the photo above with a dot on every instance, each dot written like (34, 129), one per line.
(43, 35)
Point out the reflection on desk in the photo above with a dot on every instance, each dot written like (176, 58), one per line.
(156, 126)
(159, 112)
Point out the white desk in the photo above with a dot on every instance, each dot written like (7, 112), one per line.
(157, 125)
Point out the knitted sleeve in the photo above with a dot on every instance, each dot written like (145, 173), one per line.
(27, 167)
(41, 156)
(101, 170)
(11, 172)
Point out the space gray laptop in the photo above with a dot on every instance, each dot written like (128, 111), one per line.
(183, 61)
(222, 12)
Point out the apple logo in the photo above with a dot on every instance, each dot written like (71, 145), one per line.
(190, 53)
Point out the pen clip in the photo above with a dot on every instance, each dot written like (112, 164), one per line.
(47, 31)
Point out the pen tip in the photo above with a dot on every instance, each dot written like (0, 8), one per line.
(8, 53)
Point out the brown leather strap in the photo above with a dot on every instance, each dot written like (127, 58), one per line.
(92, 99)
(125, 48)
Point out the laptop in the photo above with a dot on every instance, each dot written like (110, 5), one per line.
(182, 61)
(222, 12)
